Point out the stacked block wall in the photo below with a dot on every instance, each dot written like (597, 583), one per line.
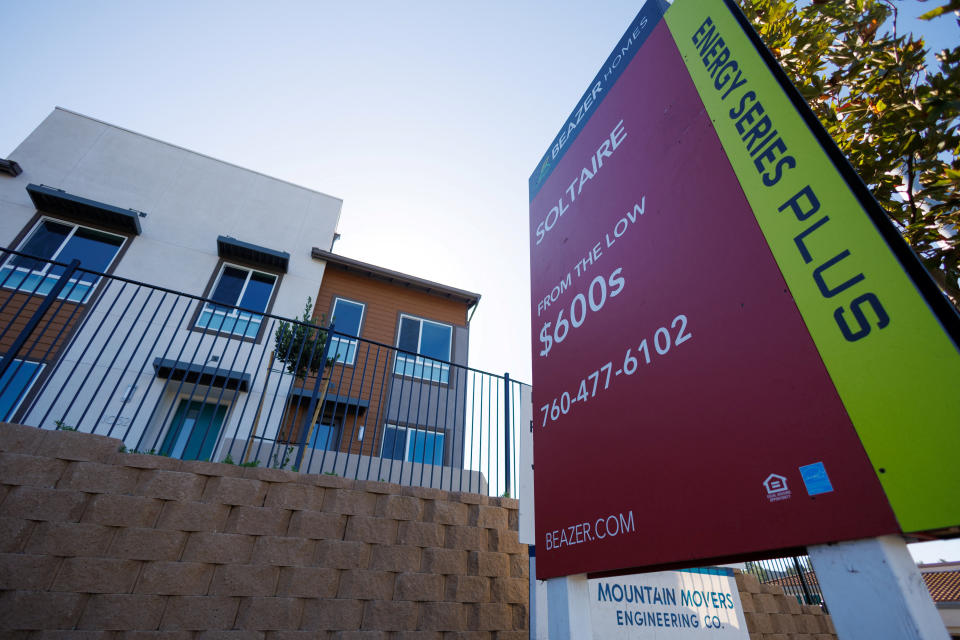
(773, 615)
(95, 543)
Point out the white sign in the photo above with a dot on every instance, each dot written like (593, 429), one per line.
(668, 605)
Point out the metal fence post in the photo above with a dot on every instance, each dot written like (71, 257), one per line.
(506, 430)
(807, 596)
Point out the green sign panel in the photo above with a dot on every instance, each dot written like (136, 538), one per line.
(883, 334)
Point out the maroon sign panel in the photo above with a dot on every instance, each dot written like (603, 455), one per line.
(675, 383)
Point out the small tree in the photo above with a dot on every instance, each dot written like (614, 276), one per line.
(300, 344)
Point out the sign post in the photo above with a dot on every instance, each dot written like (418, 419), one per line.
(733, 347)
(875, 591)
(568, 606)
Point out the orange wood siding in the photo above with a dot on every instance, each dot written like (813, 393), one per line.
(370, 376)
(351, 423)
(384, 302)
(16, 309)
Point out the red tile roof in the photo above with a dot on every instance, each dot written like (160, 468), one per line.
(944, 586)
(794, 581)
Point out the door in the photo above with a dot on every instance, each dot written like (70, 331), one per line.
(194, 430)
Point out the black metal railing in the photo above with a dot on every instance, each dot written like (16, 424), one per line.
(179, 375)
(793, 574)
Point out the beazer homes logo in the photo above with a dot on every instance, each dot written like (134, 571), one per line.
(544, 170)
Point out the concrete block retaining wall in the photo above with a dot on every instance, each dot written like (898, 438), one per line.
(95, 543)
(773, 615)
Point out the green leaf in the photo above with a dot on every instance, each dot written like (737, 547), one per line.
(896, 120)
(953, 5)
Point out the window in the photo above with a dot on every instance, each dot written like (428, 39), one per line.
(61, 241)
(240, 287)
(347, 317)
(194, 430)
(14, 384)
(324, 437)
(412, 445)
(429, 339)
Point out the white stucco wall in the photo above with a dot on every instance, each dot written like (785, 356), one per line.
(951, 618)
(189, 200)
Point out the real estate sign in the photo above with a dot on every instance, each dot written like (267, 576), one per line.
(734, 352)
(668, 605)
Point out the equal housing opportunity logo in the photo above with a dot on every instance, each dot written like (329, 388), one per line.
(776, 486)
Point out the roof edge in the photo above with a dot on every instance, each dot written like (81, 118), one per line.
(426, 286)
(196, 153)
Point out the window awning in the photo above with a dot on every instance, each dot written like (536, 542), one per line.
(193, 373)
(10, 167)
(77, 209)
(333, 399)
(232, 249)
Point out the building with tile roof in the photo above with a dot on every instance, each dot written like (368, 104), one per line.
(943, 581)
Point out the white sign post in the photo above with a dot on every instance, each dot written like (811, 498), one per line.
(568, 608)
(874, 590)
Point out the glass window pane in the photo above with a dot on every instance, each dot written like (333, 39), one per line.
(248, 324)
(14, 384)
(95, 251)
(347, 316)
(343, 349)
(435, 341)
(257, 295)
(184, 429)
(229, 286)
(206, 433)
(394, 442)
(406, 365)
(32, 281)
(425, 447)
(434, 452)
(194, 430)
(42, 243)
(415, 446)
(409, 339)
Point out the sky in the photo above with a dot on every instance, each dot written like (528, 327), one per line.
(425, 117)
